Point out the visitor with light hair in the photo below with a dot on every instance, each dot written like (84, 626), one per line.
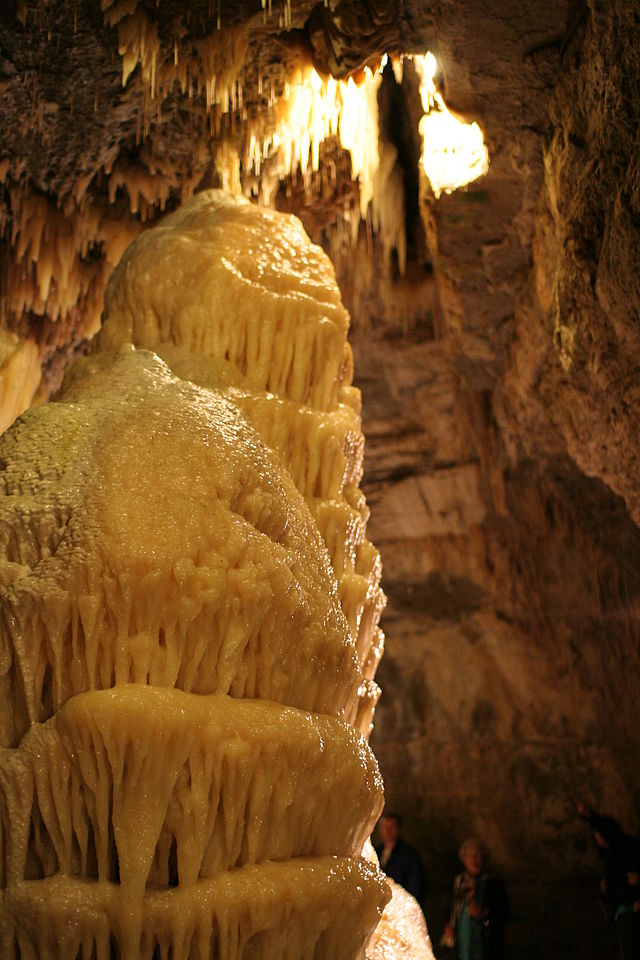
(480, 908)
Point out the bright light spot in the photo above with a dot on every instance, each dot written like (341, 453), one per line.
(313, 109)
(453, 152)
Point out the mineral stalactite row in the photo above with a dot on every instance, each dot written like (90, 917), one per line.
(189, 617)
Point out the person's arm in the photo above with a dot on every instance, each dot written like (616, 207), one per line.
(478, 900)
(454, 900)
(449, 935)
(476, 910)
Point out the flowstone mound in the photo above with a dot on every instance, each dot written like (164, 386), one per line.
(184, 665)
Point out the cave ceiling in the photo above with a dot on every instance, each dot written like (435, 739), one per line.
(503, 456)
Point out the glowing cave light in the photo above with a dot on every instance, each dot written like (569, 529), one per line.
(314, 108)
(453, 152)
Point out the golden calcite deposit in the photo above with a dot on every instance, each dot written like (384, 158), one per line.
(188, 618)
(19, 376)
(236, 282)
(264, 319)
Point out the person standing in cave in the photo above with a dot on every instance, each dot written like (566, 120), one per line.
(480, 908)
(620, 884)
(400, 861)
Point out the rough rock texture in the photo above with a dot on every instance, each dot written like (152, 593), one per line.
(500, 376)
(511, 654)
(577, 336)
(529, 700)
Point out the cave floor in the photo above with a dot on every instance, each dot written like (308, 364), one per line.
(551, 920)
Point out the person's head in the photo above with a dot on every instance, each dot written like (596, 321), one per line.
(472, 854)
(390, 828)
(607, 832)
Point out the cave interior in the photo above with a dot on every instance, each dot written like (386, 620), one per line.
(495, 331)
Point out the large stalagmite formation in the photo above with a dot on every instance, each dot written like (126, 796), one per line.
(181, 669)
(499, 375)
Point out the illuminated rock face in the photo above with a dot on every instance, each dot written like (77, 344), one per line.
(182, 668)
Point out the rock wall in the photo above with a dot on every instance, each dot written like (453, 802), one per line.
(502, 446)
(511, 659)
(577, 337)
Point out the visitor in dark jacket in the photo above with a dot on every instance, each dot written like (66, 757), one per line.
(619, 887)
(400, 861)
